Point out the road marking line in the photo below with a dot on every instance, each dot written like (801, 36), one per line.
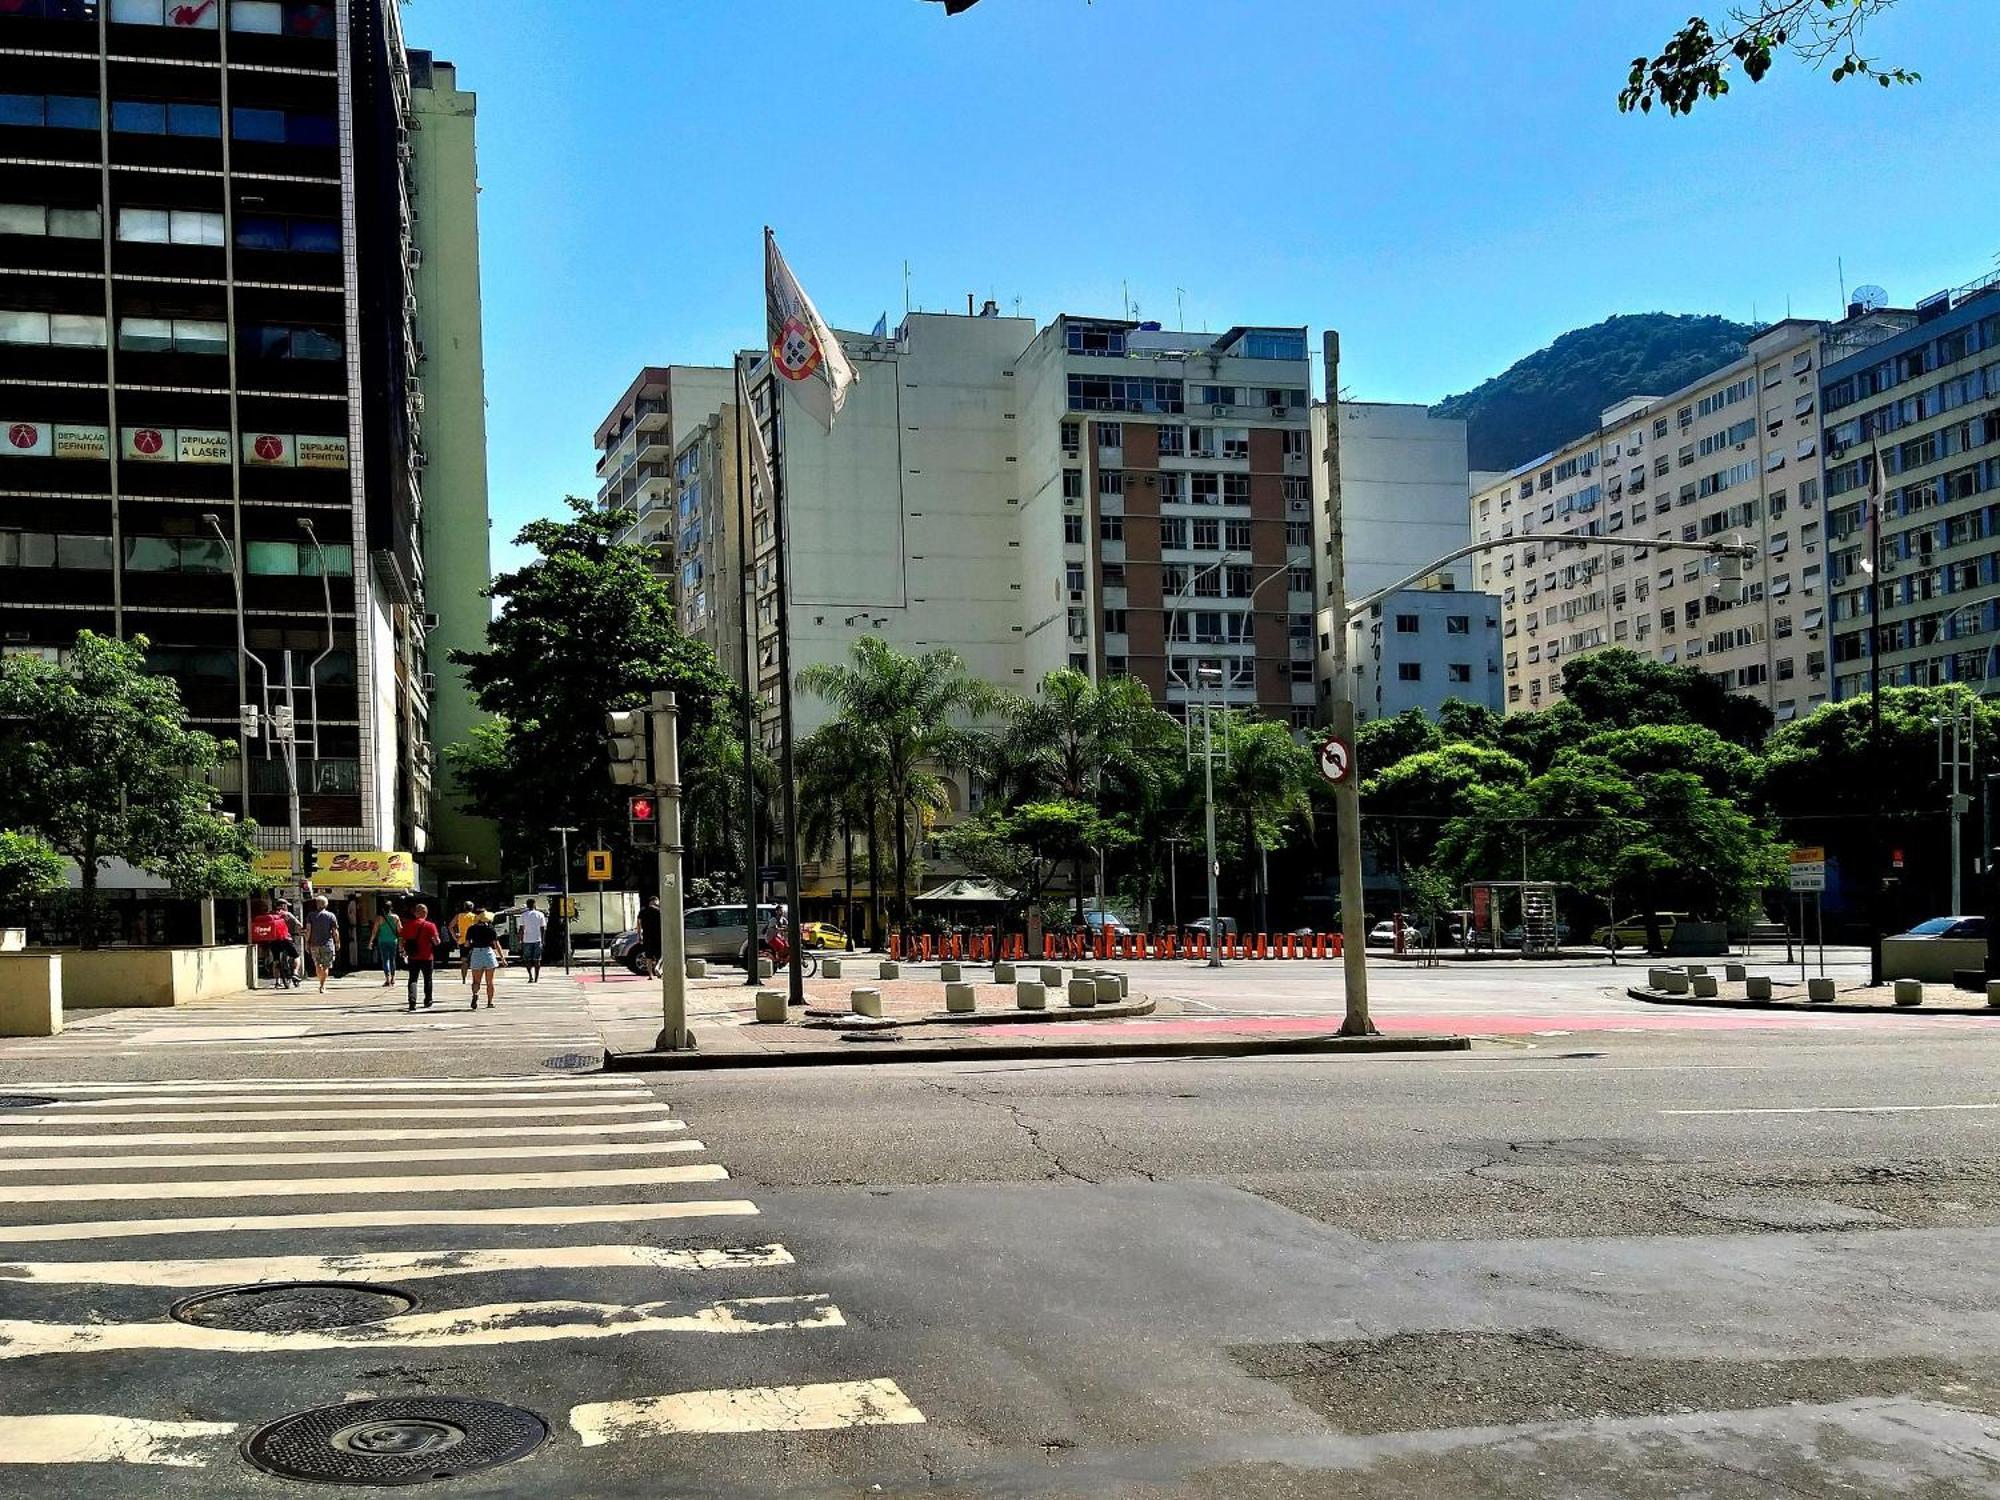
(770, 1408)
(347, 1187)
(562, 1214)
(149, 1162)
(212, 1086)
(419, 1108)
(495, 1323)
(1833, 1109)
(231, 1101)
(406, 1265)
(453, 1133)
(72, 1438)
(220, 1033)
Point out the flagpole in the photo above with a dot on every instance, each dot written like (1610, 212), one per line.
(786, 773)
(746, 609)
(1877, 498)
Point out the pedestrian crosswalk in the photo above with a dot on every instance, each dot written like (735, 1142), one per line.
(576, 1216)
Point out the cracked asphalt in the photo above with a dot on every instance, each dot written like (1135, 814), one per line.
(1731, 1264)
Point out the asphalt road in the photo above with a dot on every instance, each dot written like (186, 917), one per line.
(1588, 1258)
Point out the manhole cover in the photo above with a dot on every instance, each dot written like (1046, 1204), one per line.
(397, 1440)
(569, 1061)
(293, 1306)
(23, 1101)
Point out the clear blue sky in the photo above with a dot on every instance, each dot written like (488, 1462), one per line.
(1448, 182)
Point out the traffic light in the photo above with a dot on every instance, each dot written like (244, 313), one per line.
(310, 854)
(630, 764)
(642, 813)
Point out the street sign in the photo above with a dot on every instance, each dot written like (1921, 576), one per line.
(1336, 759)
(770, 874)
(1808, 869)
(597, 864)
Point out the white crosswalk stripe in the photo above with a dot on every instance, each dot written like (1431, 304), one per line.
(516, 1180)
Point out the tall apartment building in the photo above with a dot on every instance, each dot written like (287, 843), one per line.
(207, 330)
(708, 546)
(1924, 403)
(1403, 478)
(1734, 454)
(636, 441)
(448, 380)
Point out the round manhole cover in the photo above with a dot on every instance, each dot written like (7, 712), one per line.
(293, 1306)
(23, 1101)
(570, 1061)
(396, 1440)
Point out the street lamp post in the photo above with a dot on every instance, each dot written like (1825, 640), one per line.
(563, 833)
(282, 723)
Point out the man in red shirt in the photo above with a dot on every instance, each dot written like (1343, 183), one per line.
(420, 945)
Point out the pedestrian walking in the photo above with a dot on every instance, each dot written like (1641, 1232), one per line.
(649, 936)
(322, 940)
(460, 925)
(482, 956)
(388, 933)
(420, 944)
(534, 924)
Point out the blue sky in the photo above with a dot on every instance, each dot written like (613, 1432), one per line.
(1449, 182)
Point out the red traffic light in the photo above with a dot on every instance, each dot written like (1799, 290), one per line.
(643, 809)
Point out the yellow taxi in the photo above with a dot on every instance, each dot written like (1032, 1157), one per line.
(824, 935)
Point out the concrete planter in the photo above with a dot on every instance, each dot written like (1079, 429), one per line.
(950, 973)
(958, 997)
(31, 994)
(1082, 992)
(1933, 960)
(866, 1003)
(1819, 989)
(1909, 992)
(1110, 988)
(150, 976)
(1051, 975)
(770, 1006)
(1031, 994)
(1757, 987)
(1003, 973)
(830, 967)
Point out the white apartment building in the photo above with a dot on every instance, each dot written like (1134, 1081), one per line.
(636, 441)
(1734, 454)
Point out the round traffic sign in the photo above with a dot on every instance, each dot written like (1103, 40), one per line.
(1336, 759)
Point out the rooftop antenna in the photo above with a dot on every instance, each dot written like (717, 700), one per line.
(1125, 289)
(1180, 307)
(1017, 307)
(906, 288)
(1841, 266)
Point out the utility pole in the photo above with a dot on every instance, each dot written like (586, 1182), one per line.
(564, 834)
(1959, 754)
(674, 1035)
(1340, 719)
(1208, 711)
(1877, 895)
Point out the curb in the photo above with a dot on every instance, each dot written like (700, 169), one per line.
(1814, 1007)
(698, 1062)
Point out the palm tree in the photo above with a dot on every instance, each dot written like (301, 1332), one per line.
(912, 712)
(712, 796)
(1268, 781)
(837, 774)
(1101, 743)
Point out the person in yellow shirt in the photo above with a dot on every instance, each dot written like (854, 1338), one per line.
(460, 926)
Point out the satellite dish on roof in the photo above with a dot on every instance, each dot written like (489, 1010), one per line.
(1871, 298)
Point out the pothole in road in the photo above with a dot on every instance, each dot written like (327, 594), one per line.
(395, 1440)
(1411, 1382)
(293, 1306)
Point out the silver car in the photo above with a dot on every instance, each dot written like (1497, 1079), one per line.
(718, 933)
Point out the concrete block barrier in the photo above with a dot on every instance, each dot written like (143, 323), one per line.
(1110, 988)
(866, 1002)
(1735, 973)
(1003, 973)
(1031, 994)
(1082, 992)
(1673, 982)
(1656, 979)
(1757, 987)
(1695, 971)
(770, 1005)
(1993, 993)
(958, 996)
(1052, 975)
(950, 973)
(764, 969)
(1705, 986)
(1909, 992)
(1819, 989)
(830, 967)
(891, 969)
(697, 968)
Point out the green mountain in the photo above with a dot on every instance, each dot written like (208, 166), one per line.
(1540, 402)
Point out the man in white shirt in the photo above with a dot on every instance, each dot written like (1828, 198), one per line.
(533, 924)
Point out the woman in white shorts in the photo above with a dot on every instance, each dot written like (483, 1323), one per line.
(482, 957)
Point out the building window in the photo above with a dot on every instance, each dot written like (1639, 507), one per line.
(297, 18)
(1299, 580)
(1236, 536)
(1292, 442)
(305, 236)
(1298, 534)
(1072, 439)
(1111, 528)
(1073, 530)
(56, 111)
(279, 127)
(164, 226)
(1114, 575)
(1207, 534)
(1109, 434)
(59, 223)
(1111, 482)
(1458, 625)
(297, 559)
(75, 330)
(1072, 484)
(153, 117)
(1458, 671)
(1409, 671)
(1073, 575)
(1408, 624)
(1173, 440)
(173, 335)
(274, 341)
(1114, 622)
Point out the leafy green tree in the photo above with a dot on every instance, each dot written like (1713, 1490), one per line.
(1695, 62)
(95, 763)
(586, 625)
(1380, 743)
(915, 713)
(1725, 767)
(1268, 786)
(712, 799)
(1098, 742)
(1538, 738)
(28, 868)
(838, 779)
(1023, 847)
(1617, 689)
(1405, 806)
(1468, 723)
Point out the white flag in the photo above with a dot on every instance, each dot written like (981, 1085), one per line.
(804, 351)
(760, 453)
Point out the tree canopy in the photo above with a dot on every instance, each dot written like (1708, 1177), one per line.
(1694, 63)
